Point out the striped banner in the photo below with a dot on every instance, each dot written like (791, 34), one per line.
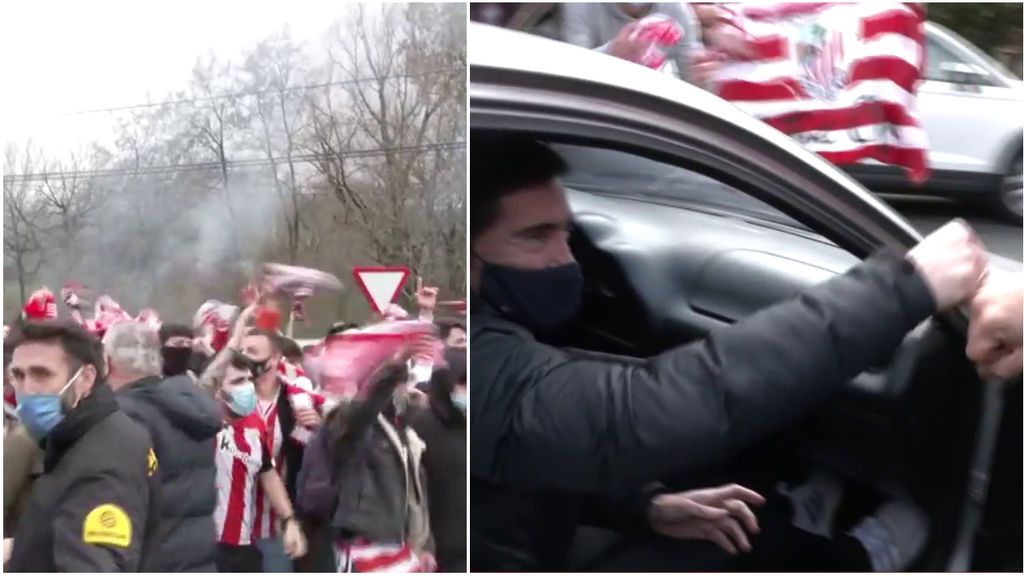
(839, 78)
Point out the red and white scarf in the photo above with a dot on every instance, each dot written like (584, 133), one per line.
(361, 555)
(839, 78)
(215, 317)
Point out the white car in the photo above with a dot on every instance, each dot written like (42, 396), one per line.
(971, 108)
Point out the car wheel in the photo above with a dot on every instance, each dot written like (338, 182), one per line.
(1010, 197)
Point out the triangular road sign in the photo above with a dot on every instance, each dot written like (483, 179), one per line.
(380, 284)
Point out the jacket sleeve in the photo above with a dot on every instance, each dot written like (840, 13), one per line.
(382, 385)
(621, 511)
(100, 523)
(551, 420)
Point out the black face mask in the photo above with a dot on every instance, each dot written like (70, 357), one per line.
(176, 360)
(259, 367)
(541, 300)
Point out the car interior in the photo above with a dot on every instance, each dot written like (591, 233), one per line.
(663, 269)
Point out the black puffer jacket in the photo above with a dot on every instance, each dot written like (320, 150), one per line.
(550, 426)
(183, 421)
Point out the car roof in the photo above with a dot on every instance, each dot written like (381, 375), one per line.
(494, 47)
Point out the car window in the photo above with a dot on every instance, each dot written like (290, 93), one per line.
(605, 171)
(935, 57)
(937, 54)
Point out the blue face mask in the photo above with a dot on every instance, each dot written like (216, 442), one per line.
(540, 300)
(41, 413)
(241, 399)
(459, 399)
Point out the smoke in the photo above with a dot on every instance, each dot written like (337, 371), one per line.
(170, 243)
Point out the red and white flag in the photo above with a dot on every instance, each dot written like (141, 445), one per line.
(839, 78)
(348, 359)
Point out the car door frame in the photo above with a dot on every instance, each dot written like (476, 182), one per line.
(821, 197)
(826, 200)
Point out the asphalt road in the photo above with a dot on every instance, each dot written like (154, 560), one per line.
(927, 215)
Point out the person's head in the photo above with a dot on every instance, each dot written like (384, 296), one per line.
(237, 392)
(291, 351)
(133, 353)
(176, 335)
(263, 348)
(176, 348)
(520, 215)
(521, 263)
(54, 366)
(453, 334)
(447, 389)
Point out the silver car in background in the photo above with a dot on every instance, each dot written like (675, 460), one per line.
(973, 112)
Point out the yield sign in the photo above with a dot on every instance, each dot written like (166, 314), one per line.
(380, 284)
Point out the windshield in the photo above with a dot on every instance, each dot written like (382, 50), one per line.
(604, 171)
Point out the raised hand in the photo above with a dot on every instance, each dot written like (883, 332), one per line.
(426, 296)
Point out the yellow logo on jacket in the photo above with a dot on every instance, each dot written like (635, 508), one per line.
(152, 463)
(107, 524)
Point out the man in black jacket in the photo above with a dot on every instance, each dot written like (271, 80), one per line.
(365, 474)
(550, 425)
(94, 509)
(183, 421)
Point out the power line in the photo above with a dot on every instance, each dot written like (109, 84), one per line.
(303, 87)
(242, 163)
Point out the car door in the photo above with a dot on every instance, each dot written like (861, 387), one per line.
(818, 196)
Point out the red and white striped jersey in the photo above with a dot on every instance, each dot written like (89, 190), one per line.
(242, 455)
(840, 78)
(266, 519)
(266, 522)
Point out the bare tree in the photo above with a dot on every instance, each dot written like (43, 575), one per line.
(271, 69)
(397, 101)
(22, 247)
(214, 120)
(68, 196)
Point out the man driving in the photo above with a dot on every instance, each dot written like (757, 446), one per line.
(553, 428)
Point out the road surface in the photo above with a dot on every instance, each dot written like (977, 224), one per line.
(927, 215)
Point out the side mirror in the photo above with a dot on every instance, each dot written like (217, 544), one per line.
(966, 76)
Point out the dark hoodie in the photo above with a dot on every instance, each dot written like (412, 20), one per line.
(443, 427)
(183, 421)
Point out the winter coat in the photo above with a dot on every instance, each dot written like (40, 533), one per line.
(96, 506)
(183, 421)
(550, 426)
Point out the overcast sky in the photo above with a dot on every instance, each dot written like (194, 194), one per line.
(58, 57)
